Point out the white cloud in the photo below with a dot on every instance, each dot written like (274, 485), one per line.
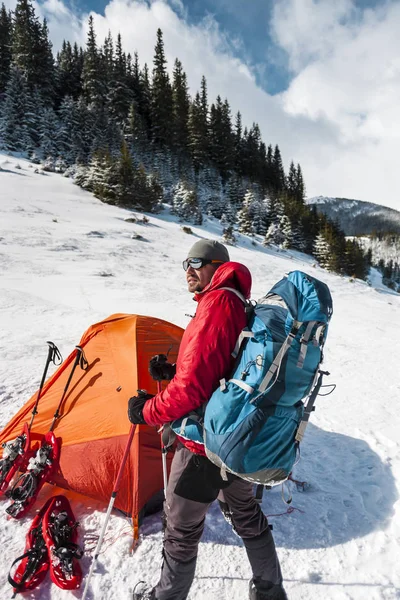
(339, 116)
(349, 76)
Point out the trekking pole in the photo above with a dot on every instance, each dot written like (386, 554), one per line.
(80, 360)
(55, 357)
(110, 507)
(164, 451)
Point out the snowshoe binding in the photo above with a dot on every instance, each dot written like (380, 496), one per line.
(39, 470)
(15, 457)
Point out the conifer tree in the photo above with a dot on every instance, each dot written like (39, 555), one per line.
(120, 96)
(70, 142)
(244, 216)
(238, 145)
(221, 138)
(49, 132)
(134, 80)
(291, 182)
(14, 125)
(31, 50)
(46, 82)
(161, 97)
(322, 250)
(287, 232)
(180, 110)
(250, 156)
(135, 133)
(69, 72)
(269, 170)
(145, 100)
(278, 173)
(91, 73)
(108, 60)
(124, 189)
(5, 47)
(197, 137)
(185, 204)
(235, 192)
(300, 187)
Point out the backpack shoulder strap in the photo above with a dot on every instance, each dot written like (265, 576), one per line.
(249, 310)
(238, 294)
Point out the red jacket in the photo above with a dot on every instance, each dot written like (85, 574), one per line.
(205, 351)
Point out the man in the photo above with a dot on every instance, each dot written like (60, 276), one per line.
(194, 483)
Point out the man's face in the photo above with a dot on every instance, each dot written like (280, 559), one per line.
(197, 279)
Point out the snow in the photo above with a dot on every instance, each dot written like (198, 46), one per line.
(67, 261)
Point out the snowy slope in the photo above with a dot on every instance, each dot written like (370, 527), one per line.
(67, 260)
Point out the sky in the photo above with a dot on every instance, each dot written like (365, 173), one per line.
(321, 78)
(341, 539)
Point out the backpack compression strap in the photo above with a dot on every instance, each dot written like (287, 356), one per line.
(276, 364)
(309, 407)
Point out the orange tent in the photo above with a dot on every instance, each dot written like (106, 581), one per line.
(93, 426)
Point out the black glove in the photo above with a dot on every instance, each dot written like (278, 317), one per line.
(160, 369)
(136, 405)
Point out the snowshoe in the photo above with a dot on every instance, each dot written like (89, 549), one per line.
(142, 591)
(34, 563)
(275, 592)
(60, 535)
(15, 457)
(39, 470)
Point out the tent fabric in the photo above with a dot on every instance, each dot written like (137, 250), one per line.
(93, 426)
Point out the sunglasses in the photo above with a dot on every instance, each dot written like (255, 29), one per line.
(198, 263)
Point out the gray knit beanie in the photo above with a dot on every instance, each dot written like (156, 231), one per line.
(210, 250)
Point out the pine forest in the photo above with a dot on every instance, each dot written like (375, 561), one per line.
(133, 135)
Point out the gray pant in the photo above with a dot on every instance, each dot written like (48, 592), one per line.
(184, 528)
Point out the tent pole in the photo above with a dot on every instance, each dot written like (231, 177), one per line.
(117, 485)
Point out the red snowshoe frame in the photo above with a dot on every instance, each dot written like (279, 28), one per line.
(64, 553)
(35, 561)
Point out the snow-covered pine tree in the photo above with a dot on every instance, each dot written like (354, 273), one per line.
(31, 50)
(259, 216)
(244, 217)
(49, 134)
(196, 139)
(287, 233)
(69, 135)
(14, 119)
(211, 193)
(94, 177)
(185, 204)
(274, 235)
(126, 192)
(322, 250)
(5, 47)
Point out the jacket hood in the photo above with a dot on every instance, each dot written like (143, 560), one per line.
(229, 274)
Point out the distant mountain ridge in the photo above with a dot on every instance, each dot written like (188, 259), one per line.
(357, 217)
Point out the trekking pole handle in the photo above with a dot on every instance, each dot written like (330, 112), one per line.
(79, 360)
(54, 356)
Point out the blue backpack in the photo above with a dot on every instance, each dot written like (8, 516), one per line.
(254, 422)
